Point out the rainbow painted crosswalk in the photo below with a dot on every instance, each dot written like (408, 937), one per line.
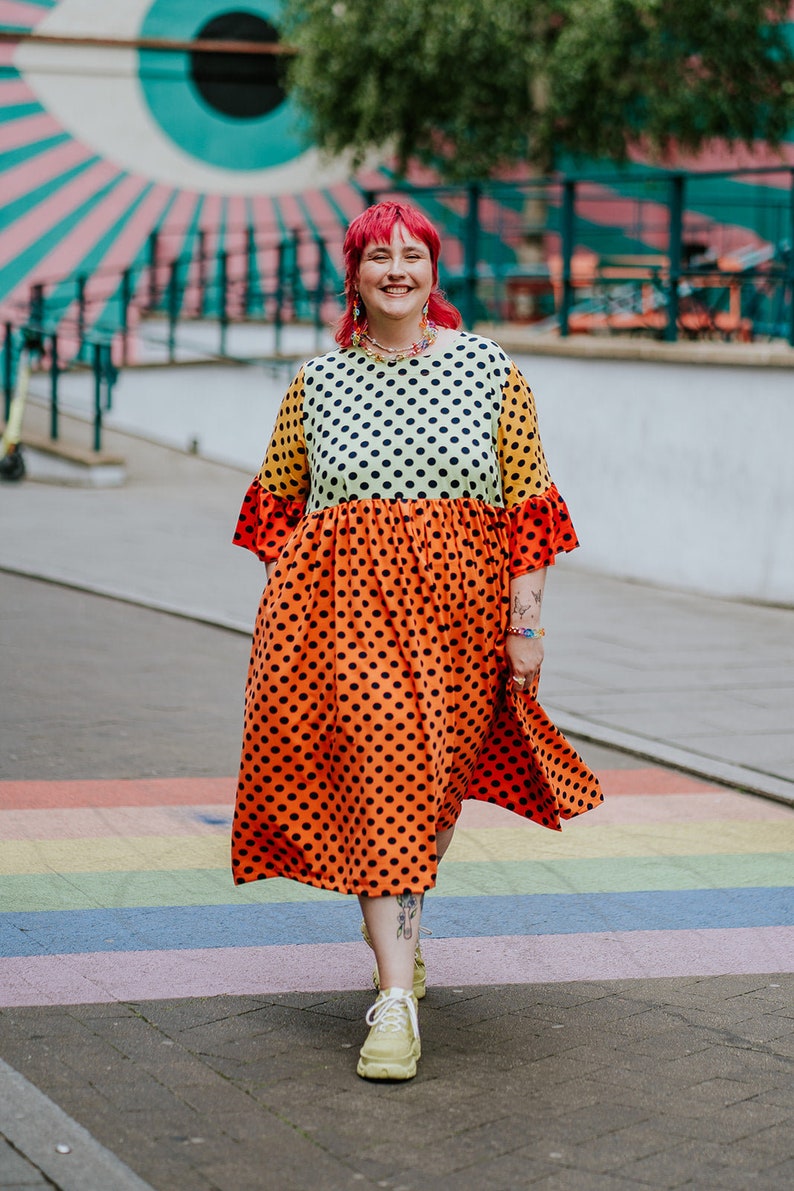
(121, 890)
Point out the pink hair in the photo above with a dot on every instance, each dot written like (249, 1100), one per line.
(377, 224)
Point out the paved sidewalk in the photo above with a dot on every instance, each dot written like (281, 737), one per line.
(609, 1009)
(702, 684)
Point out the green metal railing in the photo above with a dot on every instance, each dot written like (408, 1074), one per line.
(640, 251)
(43, 347)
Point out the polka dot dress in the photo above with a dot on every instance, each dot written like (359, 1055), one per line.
(397, 501)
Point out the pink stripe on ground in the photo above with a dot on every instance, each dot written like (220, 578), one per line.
(161, 791)
(646, 808)
(181, 791)
(94, 978)
(103, 822)
(652, 780)
(114, 822)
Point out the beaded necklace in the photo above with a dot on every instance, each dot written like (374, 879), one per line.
(396, 354)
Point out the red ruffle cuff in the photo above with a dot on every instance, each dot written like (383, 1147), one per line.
(540, 529)
(266, 522)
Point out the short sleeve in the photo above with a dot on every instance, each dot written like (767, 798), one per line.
(540, 524)
(275, 501)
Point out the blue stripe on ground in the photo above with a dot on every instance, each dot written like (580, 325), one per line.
(189, 927)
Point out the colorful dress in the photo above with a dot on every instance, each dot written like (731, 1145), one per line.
(398, 500)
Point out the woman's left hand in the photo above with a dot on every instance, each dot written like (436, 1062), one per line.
(524, 658)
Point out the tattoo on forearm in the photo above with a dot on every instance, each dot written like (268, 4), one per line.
(409, 905)
(522, 609)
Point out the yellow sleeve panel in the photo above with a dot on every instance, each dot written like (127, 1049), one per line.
(523, 465)
(285, 471)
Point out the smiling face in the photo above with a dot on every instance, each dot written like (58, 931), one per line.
(394, 281)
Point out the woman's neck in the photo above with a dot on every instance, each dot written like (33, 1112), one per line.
(393, 334)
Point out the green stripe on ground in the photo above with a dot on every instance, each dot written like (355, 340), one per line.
(629, 875)
(213, 887)
(494, 845)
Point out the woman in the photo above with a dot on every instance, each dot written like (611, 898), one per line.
(407, 518)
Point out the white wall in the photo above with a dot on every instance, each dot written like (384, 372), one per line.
(676, 474)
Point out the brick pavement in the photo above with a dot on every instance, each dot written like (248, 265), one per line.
(630, 1084)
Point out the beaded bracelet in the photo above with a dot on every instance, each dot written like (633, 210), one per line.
(518, 631)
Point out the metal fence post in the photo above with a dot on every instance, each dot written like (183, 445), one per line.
(97, 396)
(223, 298)
(125, 297)
(8, 367)
(249, 291)
(173, 308)
(471, 253)
(791, 261)
(201, 273)
(295, 279)
(676, 215)
(154, 257)
(278, 319)
(81, 312)
(54, 386)
(319, 293)
(36, 307)
(567, 231)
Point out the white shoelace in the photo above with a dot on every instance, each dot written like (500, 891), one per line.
(386, 1013)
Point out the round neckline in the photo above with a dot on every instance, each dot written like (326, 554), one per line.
(440, 348)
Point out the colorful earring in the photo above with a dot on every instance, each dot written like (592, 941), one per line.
(423, 325)
(358, 330)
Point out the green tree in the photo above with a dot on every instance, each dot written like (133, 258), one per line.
(473, 85)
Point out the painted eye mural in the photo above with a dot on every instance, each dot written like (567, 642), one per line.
(113, 126)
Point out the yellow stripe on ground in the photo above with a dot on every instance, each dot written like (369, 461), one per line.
(579, 842)
(142, 853)
(135, 853)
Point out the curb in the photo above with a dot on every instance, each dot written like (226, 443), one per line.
(62, 1150)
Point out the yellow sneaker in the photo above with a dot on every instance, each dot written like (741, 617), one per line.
(420, 970)
(392, 1046)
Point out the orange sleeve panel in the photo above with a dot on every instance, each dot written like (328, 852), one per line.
(274, 502)
(540, 524)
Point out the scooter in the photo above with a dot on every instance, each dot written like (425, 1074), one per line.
(12, 462)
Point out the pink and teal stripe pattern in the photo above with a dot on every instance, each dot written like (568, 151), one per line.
(120, 890)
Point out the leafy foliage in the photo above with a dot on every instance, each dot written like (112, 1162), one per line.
(472, 85)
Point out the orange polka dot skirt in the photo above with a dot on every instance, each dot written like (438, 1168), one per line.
(378, 699)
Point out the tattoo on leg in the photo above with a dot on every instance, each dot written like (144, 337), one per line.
(409, 905)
